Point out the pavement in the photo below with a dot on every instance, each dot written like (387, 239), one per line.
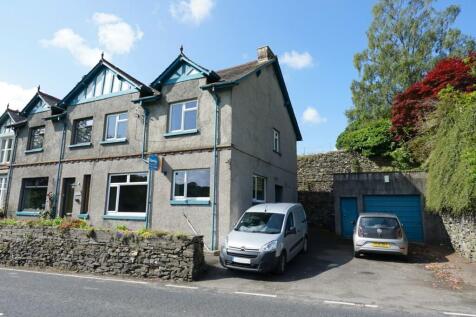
(430, 279)
(34, 293)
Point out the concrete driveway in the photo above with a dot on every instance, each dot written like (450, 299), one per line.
(427, 280)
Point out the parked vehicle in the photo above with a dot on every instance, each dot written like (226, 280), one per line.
(379, 233)
(266, 238)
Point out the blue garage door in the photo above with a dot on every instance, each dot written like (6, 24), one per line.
(348, 212)
(407, 209)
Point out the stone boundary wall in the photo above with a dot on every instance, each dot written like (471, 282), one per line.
(103, 252)
(462, 233)
(315, 181)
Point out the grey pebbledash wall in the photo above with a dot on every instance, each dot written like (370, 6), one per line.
(103, 252)
(462, 233)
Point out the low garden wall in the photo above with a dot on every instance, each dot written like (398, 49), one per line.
(462, 233)
(168, 256)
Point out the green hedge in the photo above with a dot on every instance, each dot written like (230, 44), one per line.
(452, 164)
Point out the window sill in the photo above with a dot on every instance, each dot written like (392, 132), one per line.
(34, 151)
(27, 213)
(85, 144)
(189, 202)
(106, 142)
(124, 217)
(177, 133)
(83, 216)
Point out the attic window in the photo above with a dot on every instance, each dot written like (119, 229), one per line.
(105, 83)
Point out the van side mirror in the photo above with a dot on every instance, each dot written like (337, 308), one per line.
(291, 230)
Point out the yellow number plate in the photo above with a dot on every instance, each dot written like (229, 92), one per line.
(380, 245)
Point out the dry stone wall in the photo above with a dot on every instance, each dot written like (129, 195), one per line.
(462, 233)
(103, 252)
(315, 181)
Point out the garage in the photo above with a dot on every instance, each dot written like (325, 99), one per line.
(406, 207)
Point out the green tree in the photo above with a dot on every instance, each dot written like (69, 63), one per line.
(405, 39)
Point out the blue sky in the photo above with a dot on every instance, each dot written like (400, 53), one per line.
(54, 43)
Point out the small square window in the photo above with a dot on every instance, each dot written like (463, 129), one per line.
(82, 129)
(36, 138)
(116, 126)
(183, 116)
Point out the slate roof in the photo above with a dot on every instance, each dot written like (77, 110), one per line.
(237, 72)
(49, 99)
(15, 115)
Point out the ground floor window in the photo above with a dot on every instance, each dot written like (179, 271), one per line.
(3, 189)
(191, 184)
(127, 193)
(259, 189)
(33, 194)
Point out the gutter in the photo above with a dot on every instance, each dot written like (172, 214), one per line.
(10, 171)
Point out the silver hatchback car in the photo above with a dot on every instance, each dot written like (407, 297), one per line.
(379, 233)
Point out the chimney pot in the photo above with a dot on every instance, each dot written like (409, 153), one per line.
(265, 54)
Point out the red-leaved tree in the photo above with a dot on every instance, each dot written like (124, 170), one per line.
(413, 105)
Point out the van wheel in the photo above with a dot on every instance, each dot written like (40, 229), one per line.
(305, 246)
(281, 268)
(356, 254)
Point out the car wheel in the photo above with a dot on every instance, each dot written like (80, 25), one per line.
(305, 246)
(356, 254)
(281, 268)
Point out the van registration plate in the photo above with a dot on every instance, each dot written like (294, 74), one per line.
(241, 260)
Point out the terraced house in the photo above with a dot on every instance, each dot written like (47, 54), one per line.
(225, 140)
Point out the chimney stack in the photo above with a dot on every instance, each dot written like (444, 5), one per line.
(265, 54)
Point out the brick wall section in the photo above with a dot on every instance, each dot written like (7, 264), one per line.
(103, 252)
(315, 181)
(462, 233)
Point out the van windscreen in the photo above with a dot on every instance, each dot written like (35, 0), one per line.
(260, 222)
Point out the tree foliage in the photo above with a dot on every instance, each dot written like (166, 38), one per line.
(405, 39)
(411, 107)
(368, 138)
(451, 184)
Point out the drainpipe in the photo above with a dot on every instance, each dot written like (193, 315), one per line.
(59, 171)
(9, 177)
(150, 175)
(215, 170)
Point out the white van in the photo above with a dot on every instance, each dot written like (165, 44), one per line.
(266, 238)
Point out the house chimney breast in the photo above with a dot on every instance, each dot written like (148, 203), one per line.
(265, 54)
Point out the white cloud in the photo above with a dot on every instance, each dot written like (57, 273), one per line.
(312, 116)
(115, 37)
(76, 45)
(191, 11)
(15, 95)
(297, 60)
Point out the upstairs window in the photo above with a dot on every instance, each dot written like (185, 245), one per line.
(276, 141)
(183, 116)
(6, 150)
(192, 184)
(116, 126)
(36, 138)
(4, 130)
(259, 189)
(82, 129)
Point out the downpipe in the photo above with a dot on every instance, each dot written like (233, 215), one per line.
(215, 171)
(10, 172)
(59, 171)
(150, 175)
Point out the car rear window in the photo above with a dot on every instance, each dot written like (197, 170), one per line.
(379, 228)
(379, 222)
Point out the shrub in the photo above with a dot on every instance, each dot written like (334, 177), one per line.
(451, 182)
(122, 228)
(412, 106)
(402, 158)
(372, 138)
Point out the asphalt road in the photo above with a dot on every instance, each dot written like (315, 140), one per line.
(25, 293)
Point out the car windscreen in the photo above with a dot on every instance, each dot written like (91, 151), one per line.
(379, 227)
(260, 222)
